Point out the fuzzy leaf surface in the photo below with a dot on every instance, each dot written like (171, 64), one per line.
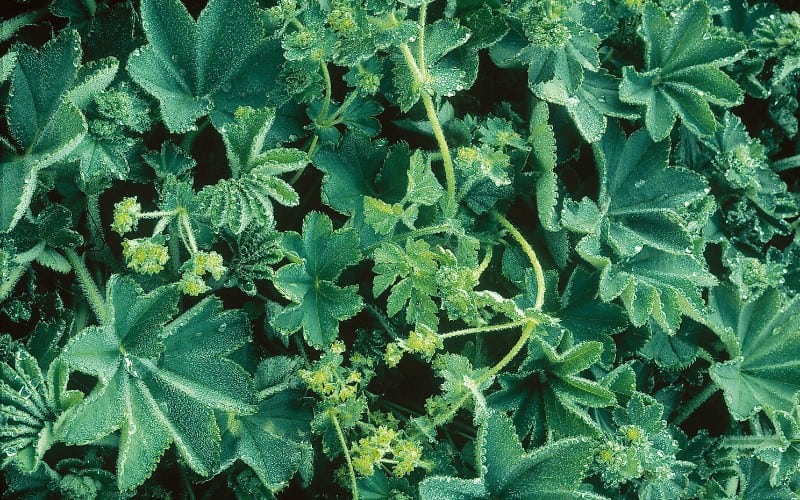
(212, 65)
(682, 75)
(763, 338)
(319, 304)
(159, 380)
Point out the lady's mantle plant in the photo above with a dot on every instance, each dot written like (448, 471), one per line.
(399, 249)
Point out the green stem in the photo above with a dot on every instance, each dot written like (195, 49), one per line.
(487, 258)
(751, 442)
(91, 6)
(786, 163)
(526, 247)
(187, 229)
(326, 100)
(483, 329)
(447, 160)
(350, 471)
(88, 285)
(693, 404)
(348, 101)
(188, 485)
(158, 214)
(13, 278)
(512, 353)
(423, 12)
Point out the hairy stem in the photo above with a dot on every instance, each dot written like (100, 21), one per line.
(187, 230)
(348, 101)
(90, 290)
(786, 163)
(526, 247)
(696, 402)
(483, 329)
(512, 353)
(350, 471)
(326, 100)
(494, 370)
(419, 72)
(751, 442)
(487, 258)
(423, 13)
(447, 160)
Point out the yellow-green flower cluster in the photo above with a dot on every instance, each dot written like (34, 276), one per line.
(423, 341)
(331, 381)
(126, 215)
(202, 263)
(146, 255)
(386, 446)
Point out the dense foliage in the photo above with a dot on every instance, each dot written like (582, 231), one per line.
(399, 249)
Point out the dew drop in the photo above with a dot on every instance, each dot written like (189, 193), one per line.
(11, 452)
(174, 57)
(706, 36)
(18, 355)
(24, 392)
(782, 449)
(412, 39)
(223, 327)
(687, 203)
(637, 249)
(707, 190)
(129, 367)
(601, 98)
(688, 250)
(701, 93)
(131, 429)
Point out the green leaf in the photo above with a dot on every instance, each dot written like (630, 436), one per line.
(410, 271)
(643, 451)
(350, 172)
(587, 317)
(682, 75)
(245, 200)
(651, 284)
(45, 126)
(783, 453)
(31, 404)
(548, 396)
(319, 304)
(271, 441)
(590, 103)
(212, 66)
(543, 149)
(160, 380)
(441, 78)
(763, 339)
(91, 80)
(552, 471)
(638, 194)
(170, 161)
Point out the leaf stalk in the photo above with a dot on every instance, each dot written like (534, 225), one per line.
(529, 252)
(90, 290)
